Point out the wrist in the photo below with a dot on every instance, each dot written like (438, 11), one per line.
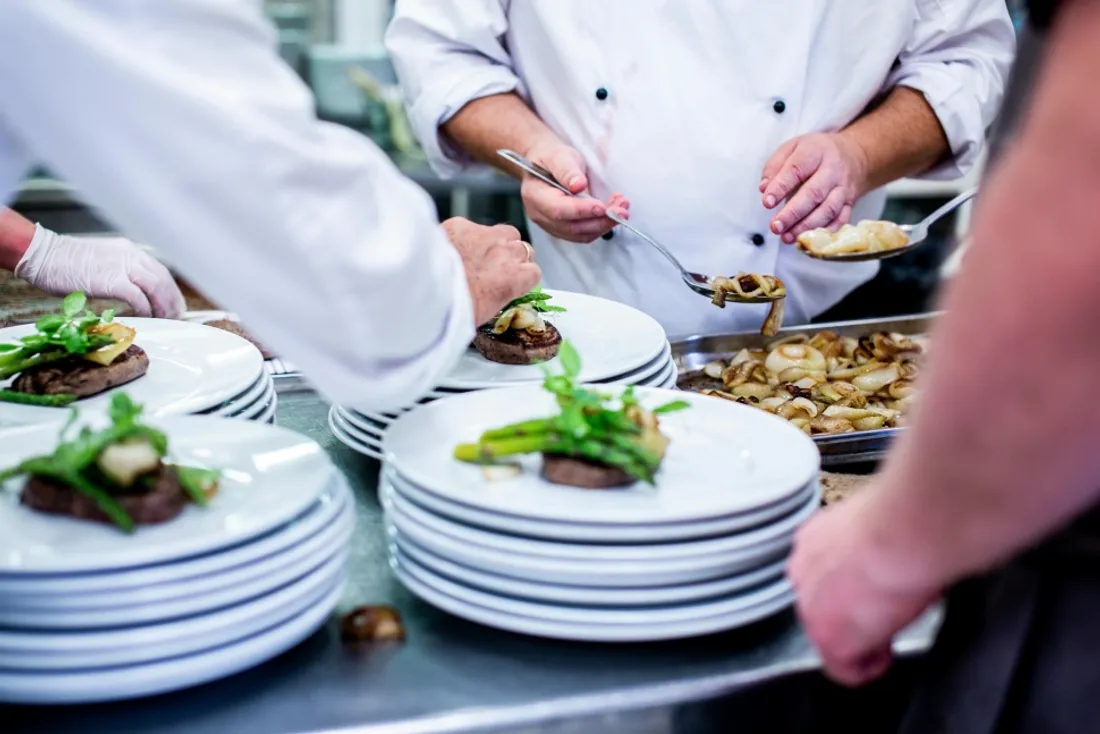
(36, 255)
(858, 160)
(16, 236)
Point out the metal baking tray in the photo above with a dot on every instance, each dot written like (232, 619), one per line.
(693, 353)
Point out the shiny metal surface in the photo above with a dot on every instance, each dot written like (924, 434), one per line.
(690, 355)
(450, 675)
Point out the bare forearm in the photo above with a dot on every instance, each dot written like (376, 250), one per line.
(16, 233)
(1001, 453)
(486, 125)
(901, 137)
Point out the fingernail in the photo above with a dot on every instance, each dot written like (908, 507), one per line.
(769, 201)
(574, 182)
(597, 211)
(777, 226)
(789, 239)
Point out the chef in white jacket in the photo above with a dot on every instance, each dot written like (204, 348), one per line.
(723, 129)
(178, 119)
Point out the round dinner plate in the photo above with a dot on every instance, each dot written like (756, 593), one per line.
(732, 604)
(342, 432)
(229, 562)
(121, 683)
(723, 458)
(594, 533)
(611, 338)
(649, 632)
(86, 611)
(269, 476)
(191, 368)
(256, 396)
(136, 645)
(359, 427)
(588, 596)
(265, 414)
(599, 573)
(648, 553)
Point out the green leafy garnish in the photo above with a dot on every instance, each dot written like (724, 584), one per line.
(57, 335)
(74, 461)
(537, 299)
(589, 426)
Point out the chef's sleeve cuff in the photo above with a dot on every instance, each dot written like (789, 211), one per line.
(441, 101)
(958, 109)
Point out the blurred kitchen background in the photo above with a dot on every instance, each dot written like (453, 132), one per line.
(336, 46)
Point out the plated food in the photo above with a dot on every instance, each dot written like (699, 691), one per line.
(824, 383)
(867, 236)
(520, 334)
(754, 286)
(596, 441)
(72, 354)
(117, 475)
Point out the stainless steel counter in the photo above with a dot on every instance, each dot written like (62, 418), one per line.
(450, 675)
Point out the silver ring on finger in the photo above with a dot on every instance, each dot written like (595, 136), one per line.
(530, 251)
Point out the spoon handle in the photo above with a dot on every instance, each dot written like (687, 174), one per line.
(548, 178)
(949, 207)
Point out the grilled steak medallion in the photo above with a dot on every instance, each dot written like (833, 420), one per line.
(518, 346)
(160, 504)
(583, 473)
(79, 377)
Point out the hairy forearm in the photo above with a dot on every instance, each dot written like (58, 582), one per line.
(900, 137)
(1001, 454)
(487, 125)
(16, 233)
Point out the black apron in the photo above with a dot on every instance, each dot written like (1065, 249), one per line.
(1019, 650)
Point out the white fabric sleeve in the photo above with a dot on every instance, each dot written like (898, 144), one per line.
(446, 55)
(179, 121)
(959, 57)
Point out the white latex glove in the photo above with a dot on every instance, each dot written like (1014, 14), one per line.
(102, 267)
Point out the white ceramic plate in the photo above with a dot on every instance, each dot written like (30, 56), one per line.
(587, 596)
(115, 684)
(191, 368)
(588, 632)
(159, 601)
(598, 615)
(724, 458)
(493, 542)
(343, 436)
(266, 413)
(599, 574)
(269, 476)
(318, 518)
(137, 645)
(612, 339)
(594, 533)
(250, 399)
(67, 618)
(360, 427)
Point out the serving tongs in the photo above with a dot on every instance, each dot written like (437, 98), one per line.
(916, 233)
(701, 284)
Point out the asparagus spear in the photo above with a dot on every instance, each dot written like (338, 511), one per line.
(46, 401)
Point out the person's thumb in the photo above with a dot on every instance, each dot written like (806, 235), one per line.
(564, 163)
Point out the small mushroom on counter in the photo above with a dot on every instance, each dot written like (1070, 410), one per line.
(380, 623)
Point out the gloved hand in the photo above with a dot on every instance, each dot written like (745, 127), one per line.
(102, 267)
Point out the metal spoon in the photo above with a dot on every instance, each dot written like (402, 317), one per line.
(917, 234)
(698, 282)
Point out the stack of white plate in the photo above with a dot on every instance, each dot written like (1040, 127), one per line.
(702, 551)
(618, 345)
(192, 369)
(89, 613)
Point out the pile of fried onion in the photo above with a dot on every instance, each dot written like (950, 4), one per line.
(825, 384)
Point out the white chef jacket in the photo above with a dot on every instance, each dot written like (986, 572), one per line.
(178, 119)
(692, 112)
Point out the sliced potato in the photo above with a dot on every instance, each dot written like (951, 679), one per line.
(123, 336)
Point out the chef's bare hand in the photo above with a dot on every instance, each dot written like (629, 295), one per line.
(499, 265)
(568, 218)
(852, 596)
(821, 175)
(101, 267)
